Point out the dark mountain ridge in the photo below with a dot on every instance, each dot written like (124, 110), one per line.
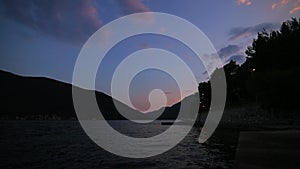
(40, 97)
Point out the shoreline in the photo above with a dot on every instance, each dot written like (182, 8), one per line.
(248, 117)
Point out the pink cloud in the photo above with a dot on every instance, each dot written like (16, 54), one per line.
(245, 2)
(136, 6)
(68, 20)
(274, 5)
(90, 12)
(240, 36)
(284, 2)
(295, 3)
(106, 33)
(297, 8)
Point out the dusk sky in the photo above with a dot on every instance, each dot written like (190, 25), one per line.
(44, 37)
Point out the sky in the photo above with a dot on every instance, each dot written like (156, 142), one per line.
(44, 37)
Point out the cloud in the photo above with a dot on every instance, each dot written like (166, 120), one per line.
(239, 59)
(135, 6)
(69, 20)
(229, 50)
(225, 54)
(274, 5)
(132, 6)
(284, 2)
(245, 2)
(243, 32)
(279, 4)
(232, 52)
(295, 9)
(214, 61)
(294, 3)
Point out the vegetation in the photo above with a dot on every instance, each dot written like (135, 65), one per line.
(270, 75)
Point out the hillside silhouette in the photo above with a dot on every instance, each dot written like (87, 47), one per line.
(43, 98)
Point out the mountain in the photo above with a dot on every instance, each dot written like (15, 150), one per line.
(43, 98)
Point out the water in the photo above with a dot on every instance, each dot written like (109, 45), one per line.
(63, 144)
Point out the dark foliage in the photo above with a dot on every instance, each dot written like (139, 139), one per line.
(270, 76)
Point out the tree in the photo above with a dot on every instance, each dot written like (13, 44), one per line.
(270, 75)
(271, 71)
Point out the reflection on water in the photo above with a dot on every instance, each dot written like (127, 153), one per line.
(63, 144)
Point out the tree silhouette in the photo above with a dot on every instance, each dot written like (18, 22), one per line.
(270, 76)
(273, 59)
(277, 50)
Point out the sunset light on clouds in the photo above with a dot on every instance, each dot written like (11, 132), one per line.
(297, 8)
(246, 2)
(293, 5)
(50, 34)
